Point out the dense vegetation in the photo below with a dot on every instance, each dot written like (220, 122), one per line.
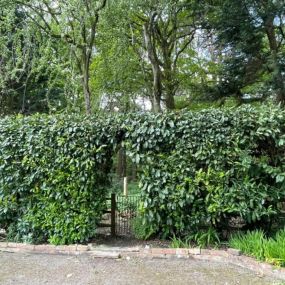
(258, 245)
(53, 177)
(199, 170)
(84, 56)
(209, 169)
(77, 79)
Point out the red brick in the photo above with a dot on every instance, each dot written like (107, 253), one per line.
(205, 251)
(182, 251)
(145, 252)
(41, 248)
(234, 251)
(169, 251)
(70, 248)
(159, 255)
(28, 247)
(215, 252)
(194, 251)
(157, 251)
(105, 254)
(50, 249)
(60, 248)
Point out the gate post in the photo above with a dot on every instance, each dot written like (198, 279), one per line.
(113, 214)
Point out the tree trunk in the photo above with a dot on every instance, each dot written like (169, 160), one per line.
(134, 172)
(122, 163)
(157, 89)
(156, 71)
(85, 82)
(169, 101)
(169, 80)
(277, 74)
(169, 89)
(87, 96)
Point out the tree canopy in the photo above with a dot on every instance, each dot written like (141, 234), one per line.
(88, 56)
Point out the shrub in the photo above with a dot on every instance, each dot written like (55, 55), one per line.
(205, 169)
(53, 176)
(198, 170)
(140, 229)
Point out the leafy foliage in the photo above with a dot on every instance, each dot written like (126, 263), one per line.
(206, 238)
(203, 238)
(54, 173)
(140, 229)
(180, 243)
(207, 168)
(256, 244)
(198, 171)
(251, 243)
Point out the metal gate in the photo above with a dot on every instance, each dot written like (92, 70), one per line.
(126, 211)
(120, 211)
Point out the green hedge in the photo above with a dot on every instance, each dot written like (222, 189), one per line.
(53, 176)
(198, 170)
(209, 168)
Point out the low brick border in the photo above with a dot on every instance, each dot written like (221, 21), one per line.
(231, 256)
(45, 248)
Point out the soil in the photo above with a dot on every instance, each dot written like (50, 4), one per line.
(128, 241)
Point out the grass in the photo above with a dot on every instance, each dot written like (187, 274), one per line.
(251, 243)
(180, 243)
(117, 186)
(257, 245)
(202, 239)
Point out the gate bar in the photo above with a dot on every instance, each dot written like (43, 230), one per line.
(113, 214)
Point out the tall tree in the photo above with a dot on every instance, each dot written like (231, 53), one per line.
(74, 22)
(160, 32)
(117, 78)
(250, 34)
(28, 67)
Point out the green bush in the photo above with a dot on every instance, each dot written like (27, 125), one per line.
(140, 229)
(53, 177)
(197, 170)
(207, 168)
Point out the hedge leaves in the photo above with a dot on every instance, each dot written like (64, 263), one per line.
(197, 170)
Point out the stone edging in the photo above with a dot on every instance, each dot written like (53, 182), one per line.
(44, 248)
(232, 256)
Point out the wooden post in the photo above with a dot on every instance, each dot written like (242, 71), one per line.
(125, 186)
(113, 214)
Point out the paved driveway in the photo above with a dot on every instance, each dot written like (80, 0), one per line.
(38, 269)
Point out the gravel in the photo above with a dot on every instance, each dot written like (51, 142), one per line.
(38, 269)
